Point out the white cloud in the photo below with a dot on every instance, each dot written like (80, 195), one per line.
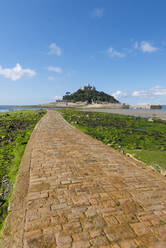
(155, 91)
(140, 93)
(54, 49)
(119, 94)
(55, 69)
(55, 98)
(97, 13)
(159, 90)
(16, 72)
(113, 53)
(58, 97)
(145, 47)
(51, 78)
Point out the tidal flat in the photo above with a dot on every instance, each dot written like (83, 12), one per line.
(152, 113)
(15, 129)
(143, 138)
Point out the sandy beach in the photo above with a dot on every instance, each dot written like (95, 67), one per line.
(142, 113)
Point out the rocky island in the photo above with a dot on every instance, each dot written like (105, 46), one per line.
(86, 97)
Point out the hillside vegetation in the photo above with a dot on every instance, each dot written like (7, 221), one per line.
(90, 96)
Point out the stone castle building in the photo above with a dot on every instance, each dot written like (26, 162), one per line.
(88, 87)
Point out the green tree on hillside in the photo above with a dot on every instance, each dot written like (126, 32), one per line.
(90, 96)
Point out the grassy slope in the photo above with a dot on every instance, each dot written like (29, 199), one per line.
(15, 130)
(137, 136)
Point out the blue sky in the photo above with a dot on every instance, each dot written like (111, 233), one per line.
(48, 47)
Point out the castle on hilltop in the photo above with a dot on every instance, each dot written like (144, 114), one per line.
(88, 87)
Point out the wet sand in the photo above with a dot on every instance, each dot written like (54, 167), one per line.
(132, 112)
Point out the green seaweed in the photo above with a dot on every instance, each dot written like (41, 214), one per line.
(15, 130)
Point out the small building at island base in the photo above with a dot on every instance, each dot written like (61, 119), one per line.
(148, 106)
(63, 103)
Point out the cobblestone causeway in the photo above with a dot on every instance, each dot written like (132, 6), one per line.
(74, 191)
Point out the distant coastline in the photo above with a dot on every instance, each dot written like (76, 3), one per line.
(147, 113)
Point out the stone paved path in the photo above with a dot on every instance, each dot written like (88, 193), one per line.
(74, 191)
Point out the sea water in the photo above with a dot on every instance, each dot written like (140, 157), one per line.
(10, 108)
